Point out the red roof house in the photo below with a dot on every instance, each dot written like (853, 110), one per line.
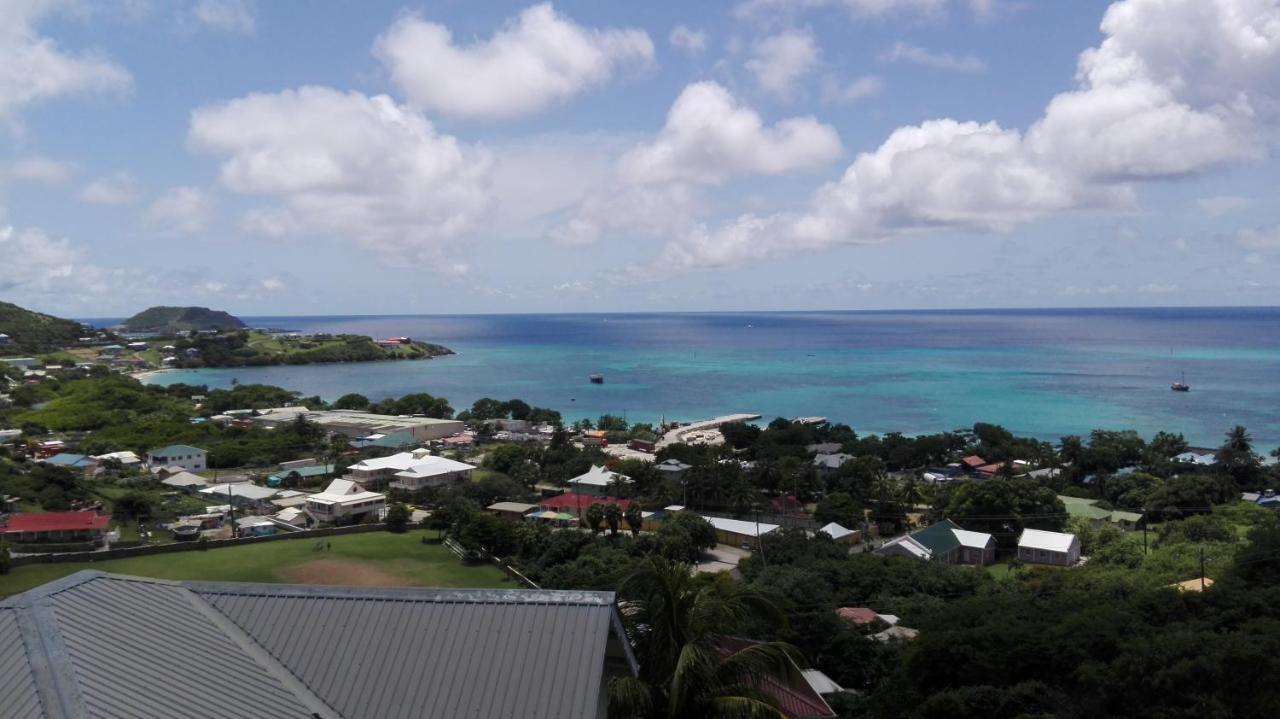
(857, 615)
(989, 468)
(973, 461)
(34, 527)
(569, 502)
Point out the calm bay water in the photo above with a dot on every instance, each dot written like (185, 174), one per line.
(1038, 372)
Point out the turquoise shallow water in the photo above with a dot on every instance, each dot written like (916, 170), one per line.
(1038, 372)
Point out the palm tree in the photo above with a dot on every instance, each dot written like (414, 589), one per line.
(634, 517)
(1238, 440)
(613, 518)
(690, 663)
(595, 517)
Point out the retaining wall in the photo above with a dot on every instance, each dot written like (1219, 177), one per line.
(197, 546)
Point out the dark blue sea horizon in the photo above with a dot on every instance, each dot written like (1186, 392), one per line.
(1039, 372)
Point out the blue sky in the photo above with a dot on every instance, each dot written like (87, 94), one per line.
(379, 157)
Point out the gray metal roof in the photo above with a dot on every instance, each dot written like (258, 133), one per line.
(17, 684)
(432, 652)
(102, 645)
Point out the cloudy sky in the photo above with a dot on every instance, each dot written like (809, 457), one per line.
(456, 156)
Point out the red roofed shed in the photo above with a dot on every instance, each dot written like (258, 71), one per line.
(973, 461)
(857, 615)
(34, 527)
(569, 502)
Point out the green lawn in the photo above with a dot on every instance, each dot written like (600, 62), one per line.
(394, 559)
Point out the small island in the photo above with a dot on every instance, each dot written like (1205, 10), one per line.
(186, 338)
(174, 320)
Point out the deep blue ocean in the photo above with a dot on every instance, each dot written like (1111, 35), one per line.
(1038, 372)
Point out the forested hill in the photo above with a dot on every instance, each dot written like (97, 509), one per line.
(31, 332)
(171, 320)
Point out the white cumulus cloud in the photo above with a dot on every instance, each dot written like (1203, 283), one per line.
(33, 68)
(780, 60)
(690, 41)
(710, 136)
(857, 8)
(916, 55)
(537, 59)
(1176, 87)
(345, 165)
(42, 170)
(227, 15)
(181, 210)
(117, 189)
(867, 86)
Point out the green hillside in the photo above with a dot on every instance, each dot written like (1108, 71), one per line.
(181, 319)
(31, 332)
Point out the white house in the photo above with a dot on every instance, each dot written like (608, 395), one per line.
(905, 546)
(127, 459)
(840, 533)
(185, 480)
(241, 494)
(344, 502)
(189, 458)
(1040, 547)
(597, 481)
(409, 470)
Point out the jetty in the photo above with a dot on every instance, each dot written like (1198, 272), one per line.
(678, 434)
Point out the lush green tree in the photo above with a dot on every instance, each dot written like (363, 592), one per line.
(493, 534)
(634, 518)
(839, 507)
(1002, 507)
(1195, 530)
(397, 520)
(594, 517)
(684, 536)
(610, 423)
(133, 506)
(683, 630)
(613, 518)
(1188, 494)
(352, 401)
(1236, 456)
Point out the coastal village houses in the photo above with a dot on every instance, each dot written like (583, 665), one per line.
(185, 456)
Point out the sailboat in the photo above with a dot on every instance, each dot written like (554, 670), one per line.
(1181, 385)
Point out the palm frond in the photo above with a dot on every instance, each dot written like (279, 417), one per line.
(630, 698)
(693, 675)
(753, 663)
(741, 707)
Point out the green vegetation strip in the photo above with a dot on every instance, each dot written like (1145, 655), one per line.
(402, 559)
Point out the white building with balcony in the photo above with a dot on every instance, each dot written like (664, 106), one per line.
(344, 502)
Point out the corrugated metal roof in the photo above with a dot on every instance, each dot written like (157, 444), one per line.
(101, 645)
(17, 685)
(431, 653)
(126, 635)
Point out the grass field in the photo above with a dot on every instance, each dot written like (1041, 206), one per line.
(376, 558)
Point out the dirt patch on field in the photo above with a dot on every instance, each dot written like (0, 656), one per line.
(341, 571)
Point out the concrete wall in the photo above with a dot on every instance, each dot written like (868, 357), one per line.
(187, 546)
